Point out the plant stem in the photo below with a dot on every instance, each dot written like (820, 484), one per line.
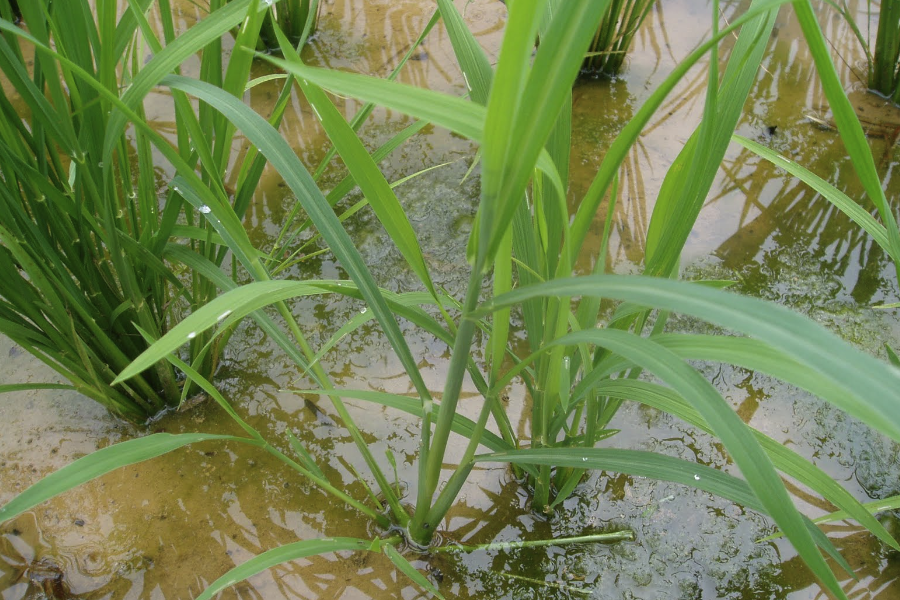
(886, 56)
(455, 375)
(614, 536)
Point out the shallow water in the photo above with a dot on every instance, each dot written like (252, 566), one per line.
(166, 528)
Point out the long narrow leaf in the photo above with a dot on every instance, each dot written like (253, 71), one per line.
(846, 205)
(654, 466)
(282, 157)
(873, 385)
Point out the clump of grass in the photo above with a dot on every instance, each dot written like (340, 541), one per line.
(291, 17)
(884, 75)
(883, 58)
(86, 228)
(607, 51)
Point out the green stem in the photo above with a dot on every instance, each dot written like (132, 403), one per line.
(450, 491)
(456, 373)
(614, 536)
(887, 49)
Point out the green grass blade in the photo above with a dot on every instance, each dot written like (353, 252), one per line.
(892, 356)
(756, 356)
(499, 333)
(655, 466)
(688, 181)
(619, 149)
(845, 204)
(548, 86)
(279, 555)
(638, 463)
(360, 117)
(884, 68)
(456, 114)
(213, 393)
(304, 456)
(213, 273)
(340, 191)
(476, 69)
(743, 447)
(280, 155)
(370, 180)
(847, 123)
(102, 462)
(498, 151)
(127, 25)
(873, 384)
(24, 387)
(166, 61)
(784, 459)
(874, 507)
(236, 75)
(224, 310)
(41, 109)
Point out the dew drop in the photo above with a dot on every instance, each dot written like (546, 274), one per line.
(223, 315)
(363, 311)
(205, 209)
(696, 478)
(584, 459)
(192, 335)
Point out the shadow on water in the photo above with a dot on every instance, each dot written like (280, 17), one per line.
(167, 528)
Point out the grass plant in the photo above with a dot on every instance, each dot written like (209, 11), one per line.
(883, 58)
(606, 53)
(87, 233)
(525, 244)
(884, 75)
(295, 18)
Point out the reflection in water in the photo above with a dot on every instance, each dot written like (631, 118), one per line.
(778, 212)
(877, 570)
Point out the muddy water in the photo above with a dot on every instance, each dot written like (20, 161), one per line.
(165, 529)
